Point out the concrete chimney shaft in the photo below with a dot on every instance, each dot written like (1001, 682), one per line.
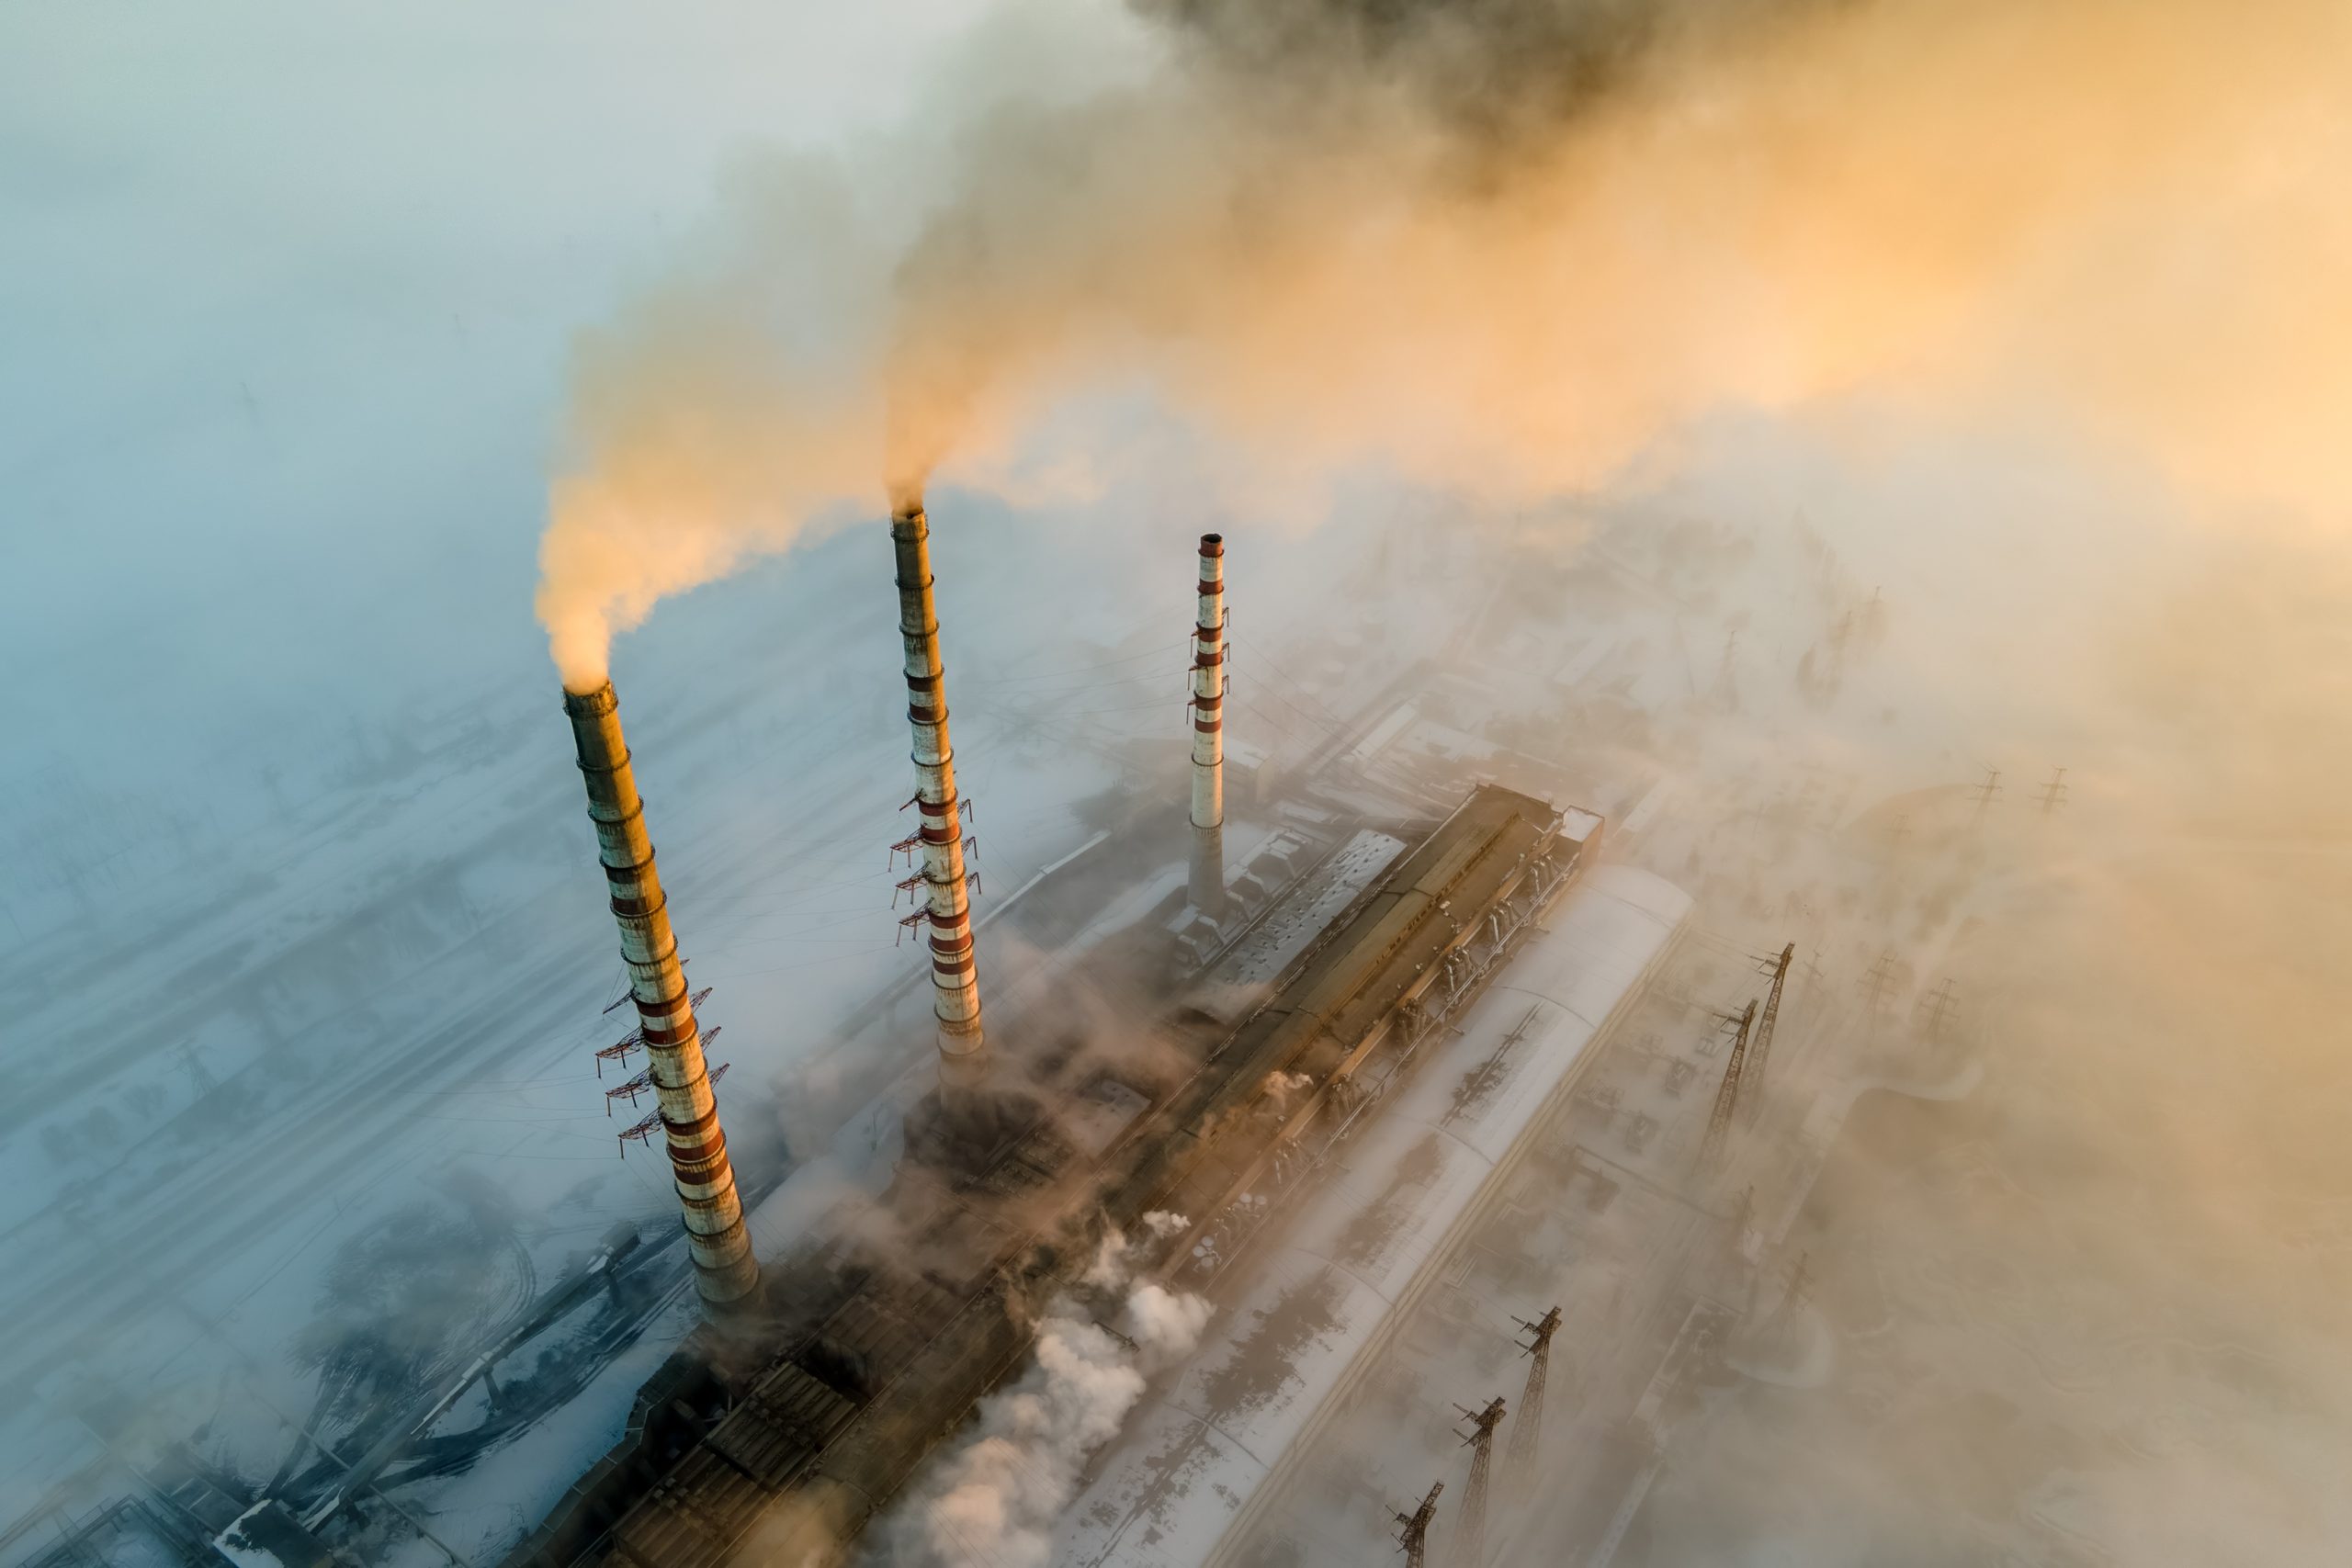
(1208, 732)
(725, 1270)
(956, 992)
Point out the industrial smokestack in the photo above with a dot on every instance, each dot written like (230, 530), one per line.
(725, 1270)
(956, 992)
(1208, 732)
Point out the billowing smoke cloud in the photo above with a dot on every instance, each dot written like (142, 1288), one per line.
(1508, 247)
(1494, 73)
(995, 1497)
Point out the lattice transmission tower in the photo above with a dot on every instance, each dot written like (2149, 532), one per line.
(1413, 1529)
(1878, 986)
(1470, 1544)
(1527, 1433)
(1937, 1011)
(1779, 969)
(2053, 794)
(1987, 793)
(1711, 1151)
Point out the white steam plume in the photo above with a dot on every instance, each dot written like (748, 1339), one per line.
(995, 1497)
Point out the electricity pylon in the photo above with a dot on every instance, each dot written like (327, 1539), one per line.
(1779, 969)
(1527, 1432)
(1470, 1545)
(1989, 791)
(2053, 794)
(1711, 1150)
(1936, 1010)
(1413, 1529)
(1879, 983)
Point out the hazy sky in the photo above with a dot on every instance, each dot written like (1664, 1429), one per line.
(286, 294)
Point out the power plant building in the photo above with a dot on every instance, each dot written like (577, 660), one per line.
(1289, 1352)
(1320, 978)
(1287, 1044)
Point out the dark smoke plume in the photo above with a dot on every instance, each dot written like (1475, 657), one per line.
(1496, 71)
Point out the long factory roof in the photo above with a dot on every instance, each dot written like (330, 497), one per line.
(1279, 1359)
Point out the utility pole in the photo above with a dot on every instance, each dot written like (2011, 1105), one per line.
(1413, 1529)
(1935, 1012)
(1741, 1220)
(2053, 794)
(1989, 791)
(1779, 969)
(1711, 1150)
(1470, 1545)
(1793, 1301)
(1527, 1432)
(205, 1082)
(1878, 982)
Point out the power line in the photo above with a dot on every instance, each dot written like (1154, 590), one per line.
(1074, 686)
(1081, 713)
(1323, 724)
(1260, 659)
(1160, 652)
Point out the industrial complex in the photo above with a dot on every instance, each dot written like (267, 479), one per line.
(1350, 954)
(1351, 1084)
(1175, 783)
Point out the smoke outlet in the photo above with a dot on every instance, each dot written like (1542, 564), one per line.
(1208, 732)
(956, 992)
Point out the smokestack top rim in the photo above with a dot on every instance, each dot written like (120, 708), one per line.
(1212, 543)
(595, 702)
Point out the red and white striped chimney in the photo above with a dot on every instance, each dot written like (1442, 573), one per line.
(725, 1270)
(956, 992)
(1208, 732)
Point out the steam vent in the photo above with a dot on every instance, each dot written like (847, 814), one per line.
(725, 1271)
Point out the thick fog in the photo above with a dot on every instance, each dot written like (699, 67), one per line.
(2025, 319)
